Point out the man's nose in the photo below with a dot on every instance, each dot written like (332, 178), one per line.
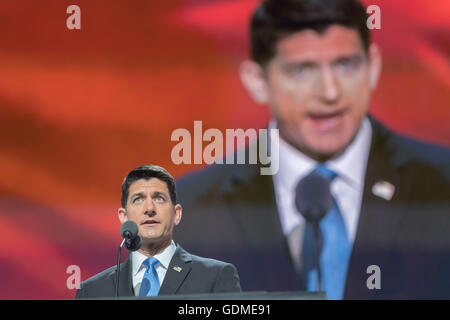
(329, 89)
(149, 207)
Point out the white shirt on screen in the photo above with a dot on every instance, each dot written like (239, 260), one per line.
(346, 188)
(164, 259)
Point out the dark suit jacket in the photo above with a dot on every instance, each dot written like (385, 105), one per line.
(197, 275)
(408, 237)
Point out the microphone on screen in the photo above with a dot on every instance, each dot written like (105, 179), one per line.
(313, 200)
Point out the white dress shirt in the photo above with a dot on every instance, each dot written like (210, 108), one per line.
(164, 259)
(346, 188)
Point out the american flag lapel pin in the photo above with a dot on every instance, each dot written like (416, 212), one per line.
(384, 190)
(177, 269)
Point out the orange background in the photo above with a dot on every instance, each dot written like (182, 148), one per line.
(81, 108)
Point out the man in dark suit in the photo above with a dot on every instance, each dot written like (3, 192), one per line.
(159, 267)
(389, 235)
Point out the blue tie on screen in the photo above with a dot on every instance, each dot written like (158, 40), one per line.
(335, 253)
(150, 283)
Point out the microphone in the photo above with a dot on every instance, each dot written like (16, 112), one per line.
(313, 200)
(129, 231)
(132, 241)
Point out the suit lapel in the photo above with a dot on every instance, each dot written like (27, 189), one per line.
(251, 201)
(125, 281)
(178, 269)
(380, 216)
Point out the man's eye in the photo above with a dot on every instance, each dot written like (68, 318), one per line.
(160, 199)
(298, 70)
(348, 64)
(137, 200)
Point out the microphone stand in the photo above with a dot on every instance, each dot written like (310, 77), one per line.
(118, 267)
(317, 249)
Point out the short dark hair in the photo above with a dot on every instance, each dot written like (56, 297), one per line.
(147, 172)
(276, 19)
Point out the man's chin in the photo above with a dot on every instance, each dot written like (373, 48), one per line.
(318, 146)
(150, 238)
(325, 147)
(323, 152)
(154, 239)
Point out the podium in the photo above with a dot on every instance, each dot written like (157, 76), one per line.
(264, 305)
(252, 295)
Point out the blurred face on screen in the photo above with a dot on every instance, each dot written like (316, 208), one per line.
(318, 88)
(150, 206)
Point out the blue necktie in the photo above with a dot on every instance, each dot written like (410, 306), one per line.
(336, 249)
(150, 283)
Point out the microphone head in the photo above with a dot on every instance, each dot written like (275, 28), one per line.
(312, 197)
(129, 230)
(133, 244)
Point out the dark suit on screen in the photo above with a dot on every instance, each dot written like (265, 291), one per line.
(197, 275)
(408, 237)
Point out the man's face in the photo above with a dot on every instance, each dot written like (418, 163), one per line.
(318, 88)
(150, 206)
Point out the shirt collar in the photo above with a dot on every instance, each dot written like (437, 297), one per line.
(350, 165)
(163, 257)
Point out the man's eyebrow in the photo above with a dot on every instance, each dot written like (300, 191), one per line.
(137, 194)
(154, 194)
(354, 56)
(159, 193)
(304, 63)
(312, 63)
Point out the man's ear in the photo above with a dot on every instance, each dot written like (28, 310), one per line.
(375, 65)
(254, 80)
(178, 213)
(122, 214)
